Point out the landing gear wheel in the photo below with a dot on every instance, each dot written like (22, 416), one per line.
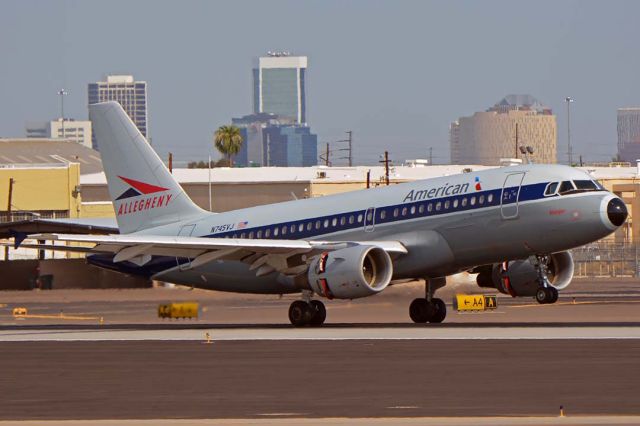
(542, 296)
(300, 313)
(421, 310)
(440, 311)
(546, 295)
(319, 313)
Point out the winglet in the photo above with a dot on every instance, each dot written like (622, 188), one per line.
(18, 237)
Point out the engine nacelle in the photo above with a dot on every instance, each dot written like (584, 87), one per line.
(350, 273)
(520, 278)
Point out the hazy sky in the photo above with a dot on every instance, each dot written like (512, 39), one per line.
(395, 72)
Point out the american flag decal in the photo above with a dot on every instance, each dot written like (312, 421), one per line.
(242, 225)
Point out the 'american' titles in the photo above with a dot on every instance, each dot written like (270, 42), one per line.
(427, 194)
(144, 204)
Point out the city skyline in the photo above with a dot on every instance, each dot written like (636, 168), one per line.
(397, 74)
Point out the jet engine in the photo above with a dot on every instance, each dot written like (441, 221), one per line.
(350, 273)
(520, 277)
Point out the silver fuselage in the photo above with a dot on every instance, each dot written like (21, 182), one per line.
(442, 222)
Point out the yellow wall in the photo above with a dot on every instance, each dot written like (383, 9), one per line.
(37, 189)
(89, 210)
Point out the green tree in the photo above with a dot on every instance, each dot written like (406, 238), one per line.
(228, 140)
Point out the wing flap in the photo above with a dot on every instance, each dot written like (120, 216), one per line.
(264, 256)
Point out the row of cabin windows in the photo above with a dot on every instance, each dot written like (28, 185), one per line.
(308, 226)
(351, 219)
(439, 205)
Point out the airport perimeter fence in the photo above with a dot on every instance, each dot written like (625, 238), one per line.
(607, 259)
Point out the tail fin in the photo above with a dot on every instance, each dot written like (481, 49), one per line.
(144, 193)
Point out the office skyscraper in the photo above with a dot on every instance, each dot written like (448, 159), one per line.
(629, 134)
(132, 95)
(279, 86)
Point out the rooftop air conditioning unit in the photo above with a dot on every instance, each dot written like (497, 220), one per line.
(322, 175)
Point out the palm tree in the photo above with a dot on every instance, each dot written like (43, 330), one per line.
(228, 140)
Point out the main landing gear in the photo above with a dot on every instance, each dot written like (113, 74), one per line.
(546, 293)
(307, 312)
(429, 309)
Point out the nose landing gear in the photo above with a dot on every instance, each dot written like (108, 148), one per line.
(546, 293)
(429, 309)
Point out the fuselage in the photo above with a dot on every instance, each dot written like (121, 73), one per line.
(448, 224)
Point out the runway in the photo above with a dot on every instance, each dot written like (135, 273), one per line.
(348, 378)
(339, 333)
(366, 366)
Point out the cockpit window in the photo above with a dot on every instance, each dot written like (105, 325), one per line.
(551, 188)
(566, 187)
(585, 185)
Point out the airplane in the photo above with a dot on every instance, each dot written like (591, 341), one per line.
(513, 226)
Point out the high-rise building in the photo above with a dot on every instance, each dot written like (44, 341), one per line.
(270, 140)
(490, 136)
(75, 131)
(279, 86)
(131, 94)
(629, 134)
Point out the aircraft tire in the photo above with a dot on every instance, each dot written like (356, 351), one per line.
(300, 313)
(421, 310)
(542, 296)
(319, 313)
(440, 311)
(553, 293)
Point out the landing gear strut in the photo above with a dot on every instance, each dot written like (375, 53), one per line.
(307, 312)
(546, 293)
(429, 309)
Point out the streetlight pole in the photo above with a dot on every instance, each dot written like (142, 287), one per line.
(568, 100)
(62, 94)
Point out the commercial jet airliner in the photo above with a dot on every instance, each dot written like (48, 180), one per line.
(513, 226)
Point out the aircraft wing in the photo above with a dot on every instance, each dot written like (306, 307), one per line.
(264, 255)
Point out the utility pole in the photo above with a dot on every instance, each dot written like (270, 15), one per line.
(209, 167)
(386, 167)
(368, 178)
(9, 218)
(349, 132)
(349, 148)
(326, 156)
(568, 100)
(171, 163)
(62, 94)
(516, 140)
(431, 156)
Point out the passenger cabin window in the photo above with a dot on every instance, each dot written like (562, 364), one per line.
(383, 214)
(551, 189)
(566, 187)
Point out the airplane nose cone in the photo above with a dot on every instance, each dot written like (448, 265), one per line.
(617, 211)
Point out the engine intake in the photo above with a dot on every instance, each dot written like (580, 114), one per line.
(350, 273)
(520, 278)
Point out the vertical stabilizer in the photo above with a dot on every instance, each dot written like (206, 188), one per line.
(144, 193)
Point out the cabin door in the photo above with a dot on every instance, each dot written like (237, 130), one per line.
(510, 197)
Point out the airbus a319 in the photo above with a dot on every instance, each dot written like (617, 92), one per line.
(514, 226)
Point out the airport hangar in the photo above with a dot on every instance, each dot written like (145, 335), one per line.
(44, 179)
